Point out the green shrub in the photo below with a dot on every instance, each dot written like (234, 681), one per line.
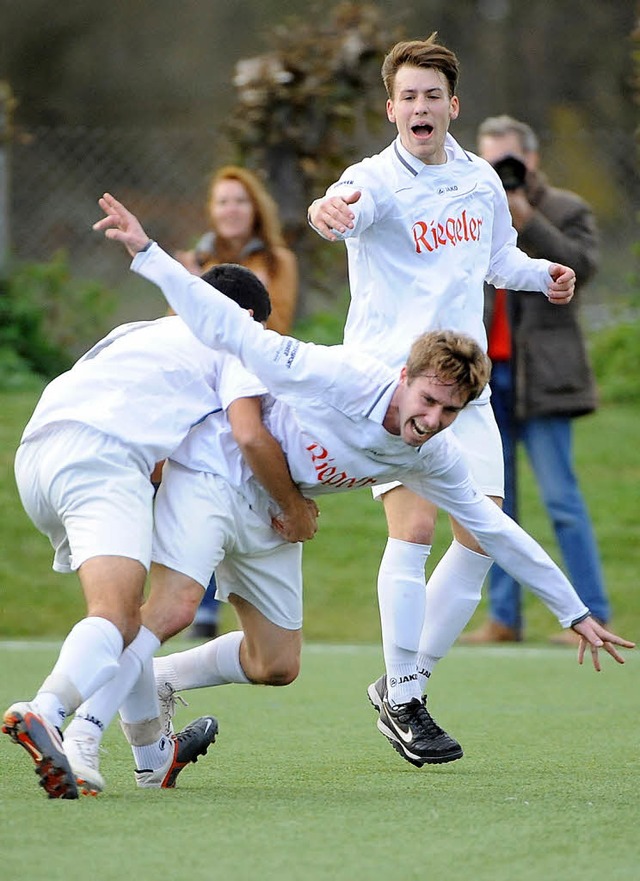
(46, 319)
(615, 352)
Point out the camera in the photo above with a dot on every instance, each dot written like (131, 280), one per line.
(511, 171)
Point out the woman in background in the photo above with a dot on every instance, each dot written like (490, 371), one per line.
(246, 229)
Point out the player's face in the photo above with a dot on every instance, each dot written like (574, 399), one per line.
(422, 110)
(231, 210)
(426, 405)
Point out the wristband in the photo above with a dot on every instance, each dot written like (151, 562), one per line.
(581, 618)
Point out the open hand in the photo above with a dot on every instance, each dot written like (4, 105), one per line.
(596, 637)
(121, 225)
(332, 214)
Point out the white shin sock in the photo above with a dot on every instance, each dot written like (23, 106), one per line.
(453, 594)
(401, 599)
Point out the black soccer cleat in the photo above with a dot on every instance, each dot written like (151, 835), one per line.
(411, 730)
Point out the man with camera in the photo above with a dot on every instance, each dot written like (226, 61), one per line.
(541, 377)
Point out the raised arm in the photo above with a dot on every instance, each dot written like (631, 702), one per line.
(285, 365)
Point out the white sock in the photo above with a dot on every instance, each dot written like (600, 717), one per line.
(140, 721)
(87, 660)
(401, 600)
(95, 715)
(153, 755)
(453, 594)
(216, 662)
(141, 703)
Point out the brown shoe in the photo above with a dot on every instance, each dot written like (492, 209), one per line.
(490, 631)
(565, 637)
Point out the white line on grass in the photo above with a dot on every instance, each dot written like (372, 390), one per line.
(506, 651)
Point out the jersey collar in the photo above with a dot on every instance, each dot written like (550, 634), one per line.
(414, 165)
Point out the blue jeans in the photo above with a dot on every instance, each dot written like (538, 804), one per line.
(209, 609)
(548, 443)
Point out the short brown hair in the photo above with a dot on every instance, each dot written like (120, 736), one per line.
(452, 357)
(420, 53)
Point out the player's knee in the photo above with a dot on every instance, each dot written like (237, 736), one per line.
(417, 531)
(278, 671)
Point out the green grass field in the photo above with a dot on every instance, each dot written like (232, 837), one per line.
(300, 784)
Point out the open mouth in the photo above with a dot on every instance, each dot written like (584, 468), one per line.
(422, 129)
(420, 430)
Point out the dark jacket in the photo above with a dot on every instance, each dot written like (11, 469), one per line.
(553, 376)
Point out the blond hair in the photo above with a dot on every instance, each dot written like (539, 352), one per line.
(453, 358)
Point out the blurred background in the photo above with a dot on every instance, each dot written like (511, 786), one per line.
(144, 101)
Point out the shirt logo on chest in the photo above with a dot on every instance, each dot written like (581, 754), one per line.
(430, 235)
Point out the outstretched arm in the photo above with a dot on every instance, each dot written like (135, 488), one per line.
(453, 490)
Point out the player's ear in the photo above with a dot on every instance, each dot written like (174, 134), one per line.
(391, 115)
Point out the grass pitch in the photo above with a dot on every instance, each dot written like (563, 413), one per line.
(300, 784)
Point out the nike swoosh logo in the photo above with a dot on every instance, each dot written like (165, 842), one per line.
(407, 736)
(208, 725)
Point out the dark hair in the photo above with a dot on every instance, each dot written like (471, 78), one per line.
(241, 285)
(420, 53)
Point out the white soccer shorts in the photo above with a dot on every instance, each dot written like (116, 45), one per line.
(88, 493)
(203, 524)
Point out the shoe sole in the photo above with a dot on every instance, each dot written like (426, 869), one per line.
(374, 697)
(374, 700)
(85, 785)
(169, 781)
(56, 777)
(409, 757)
(87, 788)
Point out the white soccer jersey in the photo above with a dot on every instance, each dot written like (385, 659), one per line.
(425, 239)
(330, 425)
(146, 383)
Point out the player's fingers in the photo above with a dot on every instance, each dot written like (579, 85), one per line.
(581, 649)
(615, 654)
(607, 636)
(595, 658)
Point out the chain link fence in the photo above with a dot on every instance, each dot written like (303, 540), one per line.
(57, 175)
(54, 176)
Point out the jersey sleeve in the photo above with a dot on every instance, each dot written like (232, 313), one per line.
(451, 487)
(510, 267)
(288, 367)
(235, 382)
(365, 210)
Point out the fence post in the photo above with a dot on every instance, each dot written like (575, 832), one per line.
(7, 104)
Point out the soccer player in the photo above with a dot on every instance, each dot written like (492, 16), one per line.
(425, 224)
(346, 420)
(83, 470)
